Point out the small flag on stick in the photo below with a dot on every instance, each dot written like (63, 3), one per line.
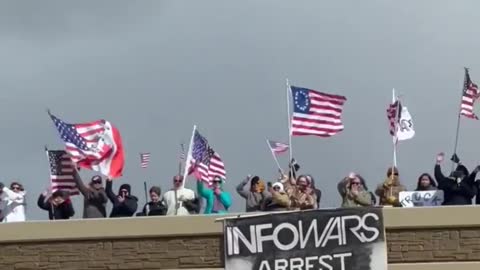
(277, 147)
(144, 160)
(470, 95)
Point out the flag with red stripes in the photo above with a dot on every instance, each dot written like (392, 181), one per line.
(316, 113)
(470, 95)
(203, 161)
(393, 116)
(277, 147)
(62, 172)
(144, 160)
(95, 146)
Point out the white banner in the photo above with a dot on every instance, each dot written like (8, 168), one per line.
(405, 128)
(421, 198)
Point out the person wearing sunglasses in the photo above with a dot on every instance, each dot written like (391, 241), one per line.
(179, 200)
(94, 197)
(12, 206)
(353, 191)
(217, 200)
(390, 190)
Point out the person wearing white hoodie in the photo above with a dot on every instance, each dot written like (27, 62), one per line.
(12, 205)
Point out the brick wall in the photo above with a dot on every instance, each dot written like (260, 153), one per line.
(205, 251)
(163, 253)
(433, 245)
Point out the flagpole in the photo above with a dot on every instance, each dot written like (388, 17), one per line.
(289, 122)
(394, 99)
(146, 192)
(175, 190)
(459, 120)
(189, 154)
(274, 156)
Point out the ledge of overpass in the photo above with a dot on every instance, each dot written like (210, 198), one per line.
(417, 238)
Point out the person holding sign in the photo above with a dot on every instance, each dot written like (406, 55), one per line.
(425, 182)
(390, 189)
(353, 191)
(459, 188)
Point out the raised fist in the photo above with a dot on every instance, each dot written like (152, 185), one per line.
(440, 157)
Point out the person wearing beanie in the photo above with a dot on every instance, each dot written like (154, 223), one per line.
(254, 196)
(459, 188)
(353, 191)
(124, 204)
(94, 197)
(156, 206)
(390, 190)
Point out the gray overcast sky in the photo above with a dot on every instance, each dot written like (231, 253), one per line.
(155, 68)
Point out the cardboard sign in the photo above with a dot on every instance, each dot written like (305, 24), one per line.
(421, 198)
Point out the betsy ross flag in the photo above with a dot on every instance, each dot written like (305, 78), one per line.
(277, 147)
(144, 160)
(96, 145)
(62, 172)
(469, 96)
(204, 162)
(316, 113)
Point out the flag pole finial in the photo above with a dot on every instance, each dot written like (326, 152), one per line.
(46, 148)
(48, 111)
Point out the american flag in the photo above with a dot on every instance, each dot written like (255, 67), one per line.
(470, 95)
(96, 145)
(393, 115)
(144, 160)
(62, 171)
(204, 161)
(316, 113)
(277, 147)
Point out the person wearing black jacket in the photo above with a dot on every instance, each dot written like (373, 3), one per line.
(58, 205)
(124, 204)
(459, 188)
(156, 207)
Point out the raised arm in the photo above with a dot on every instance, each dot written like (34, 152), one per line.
(42, 203)
(16, 197)
(110, 194)
(81, 186)
(342, 186)
(241, 188)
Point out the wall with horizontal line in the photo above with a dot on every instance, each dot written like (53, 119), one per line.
(417, 238)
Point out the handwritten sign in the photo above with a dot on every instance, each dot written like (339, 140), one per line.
(421, 198)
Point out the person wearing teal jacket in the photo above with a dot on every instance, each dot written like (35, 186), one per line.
(217, 200)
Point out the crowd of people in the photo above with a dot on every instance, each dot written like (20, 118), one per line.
(291, 191)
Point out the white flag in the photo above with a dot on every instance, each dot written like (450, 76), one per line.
(405, 128)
